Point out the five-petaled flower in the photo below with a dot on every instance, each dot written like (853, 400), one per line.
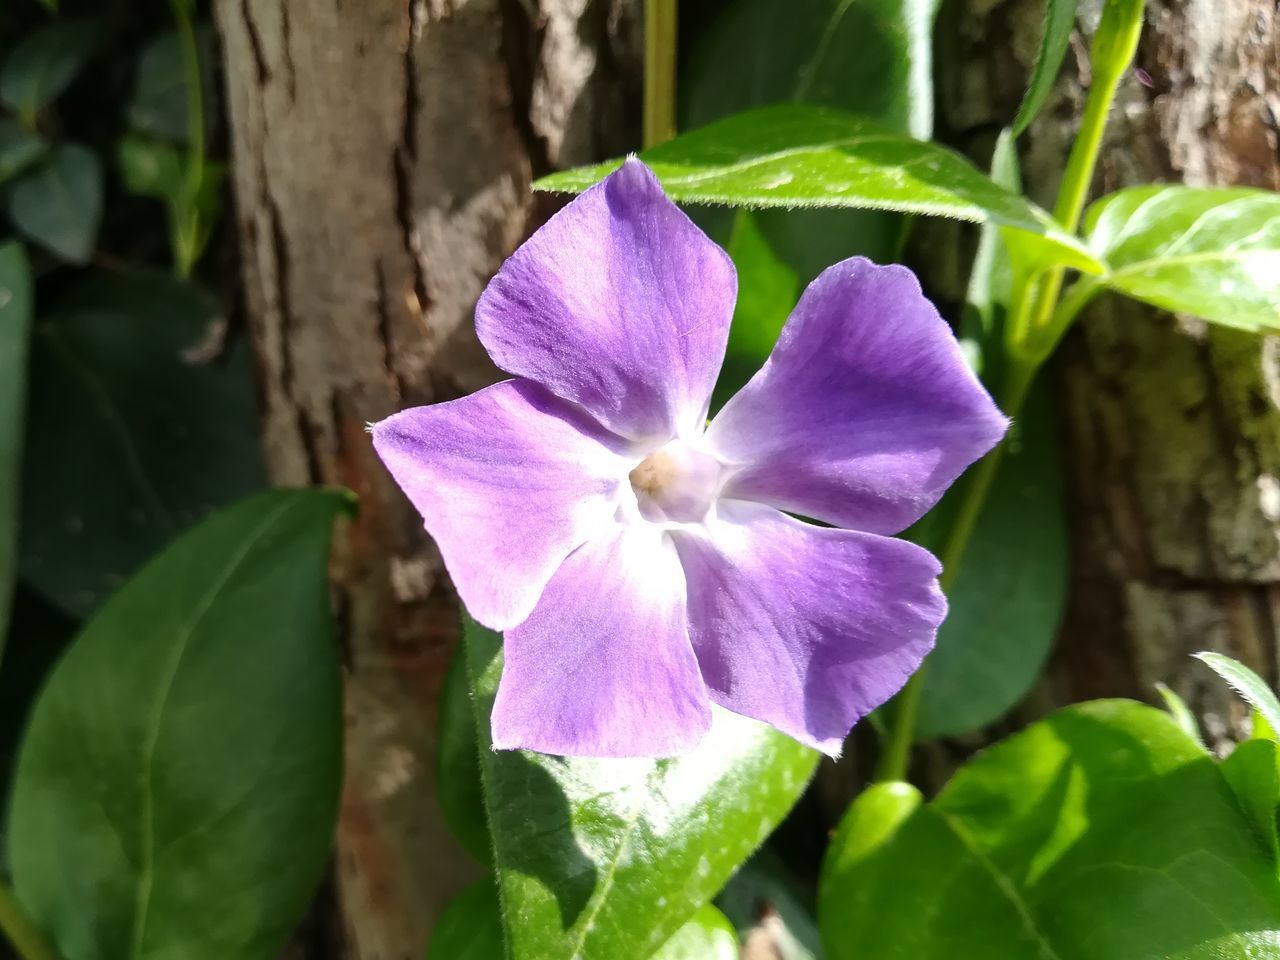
(644, 564)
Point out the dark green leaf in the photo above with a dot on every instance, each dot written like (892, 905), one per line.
(150, 168)
(18, 148)
(1007, 601)
(44, 64)
(133, 435)
(767, 290)
(870, 58)
(160, 99)
(1060, 19)
(1253, 771)
(15, 331)
(458, 764)
(1246, 683)
(470, 927)
(763, 901)
(1100, 833)
(799, 156)
(1177, 708)
(608, 858)
(186, 754)
(1213, 252)
(58, 203)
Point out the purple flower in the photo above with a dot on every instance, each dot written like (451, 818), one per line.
(643, 564)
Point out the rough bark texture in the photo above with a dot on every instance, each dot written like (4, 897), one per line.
(1171, 432)
(383, 152)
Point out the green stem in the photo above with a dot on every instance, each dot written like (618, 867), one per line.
(186, 216)
(27, 940)
(896, 753)
(659, 71)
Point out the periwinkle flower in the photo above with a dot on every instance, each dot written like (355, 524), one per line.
(643, 564)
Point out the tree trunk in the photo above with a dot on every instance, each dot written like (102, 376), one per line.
(1171, 435)
(383, 151)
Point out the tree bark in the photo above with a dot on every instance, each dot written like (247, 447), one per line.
(1171, 433)
(383, 151)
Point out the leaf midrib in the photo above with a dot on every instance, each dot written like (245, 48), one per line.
(146, 873)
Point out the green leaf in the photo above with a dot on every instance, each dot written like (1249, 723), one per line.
(760, 52)
(43, 65)
(1253, 772)
(186, 754)
(1100, 833)
(18, 148)
(133, 436)
(1213, 252)
(1245, 682)
(470, 927)
(991, 280)
(58, 203)
(150, 168)
(15, 331)
(1008, 600)
(799, 156)
(160, 98)
(707, 935)
(767, 290)
(458, 764)
(1060, 19)
(1177, 708)
(608, 858)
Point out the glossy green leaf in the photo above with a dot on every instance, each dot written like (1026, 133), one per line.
(160, 99)
(1245, 682)
(15, 332)
(800, 156)
(1060, 20)
(43, 65)
(1253, 772)
(1213, 252)
(1177, 708)
(767, 904)
(767, 290)
(58, 203)
(1008, 600)
(186, 754)
(1100, 833)
(759, 52)
(470, 927)
(707, 935)
(135, 433)
(18, 148)
(608, 858)
(458, 764)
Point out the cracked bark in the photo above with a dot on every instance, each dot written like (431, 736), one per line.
(383, 154)
(1171, 432)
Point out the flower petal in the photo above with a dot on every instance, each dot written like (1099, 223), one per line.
(865, 412)
(508, 481)
(807, 628)
(619, 303)
(603, 666)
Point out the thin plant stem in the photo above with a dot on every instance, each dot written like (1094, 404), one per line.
(25, 937)
(896, 753)
(185, 214)
(659, 71)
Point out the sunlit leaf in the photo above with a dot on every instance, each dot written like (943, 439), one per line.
(1060, 20)
(602, 859)
(798, 156)
(1246, 683)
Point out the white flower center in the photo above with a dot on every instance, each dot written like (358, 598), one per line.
(677, 483)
